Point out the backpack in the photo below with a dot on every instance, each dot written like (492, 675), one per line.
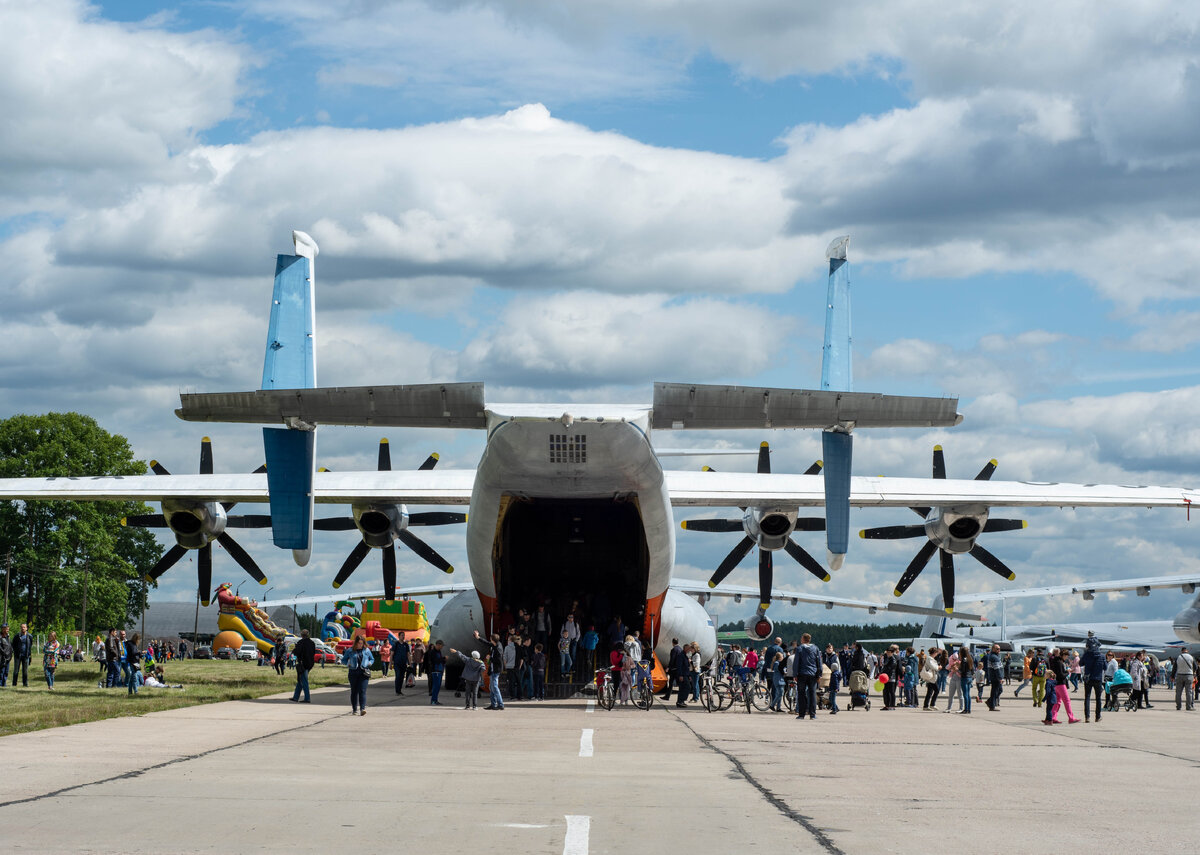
(1039, 668)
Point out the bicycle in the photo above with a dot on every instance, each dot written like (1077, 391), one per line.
(641, 687)
(606, 689)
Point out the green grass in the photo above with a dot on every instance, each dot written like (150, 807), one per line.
(76, 697)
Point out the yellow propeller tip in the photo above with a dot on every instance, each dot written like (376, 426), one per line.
(863, 534)
(706, 469)
(153, 463)
(994, 462)
(148, 579)
(764, 606)
(263, 580)
(124, 521)
(436, 456)
(450, 569)
(896, 593)
(466, 517)
(683, 524)
(204, 603)
(949, 610)
(1024, 523)
(337, 585)
(764, 445)
(205, 439)
(821, 463)
(826, 578)
(1012, 577)
(937, 448)
(322, 469)
(389, 602)
(712, 584)
(383, 441)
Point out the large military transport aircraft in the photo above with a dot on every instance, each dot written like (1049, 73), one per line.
(570, 499)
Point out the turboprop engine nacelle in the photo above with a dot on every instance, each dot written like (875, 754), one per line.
(1187, 623)
(379, 525)
(194, 524)
(769, 527)
(759, 627)
(955, 529)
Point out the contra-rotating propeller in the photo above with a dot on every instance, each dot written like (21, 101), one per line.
(951, 531)
(770, 529)
(196, 525)
(382, 524)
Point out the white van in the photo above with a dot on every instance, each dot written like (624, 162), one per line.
(248, 651)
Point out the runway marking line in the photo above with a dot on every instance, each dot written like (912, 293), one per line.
(591, 706)
(578, 829)
(585, 742)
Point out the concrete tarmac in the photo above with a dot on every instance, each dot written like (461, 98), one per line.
(565, 777)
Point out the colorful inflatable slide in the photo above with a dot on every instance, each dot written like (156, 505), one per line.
(244, 618)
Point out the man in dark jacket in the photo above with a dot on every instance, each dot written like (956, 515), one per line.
(806, 668)
(114, 653)
(995, 673)
(436, 662)
(673, 669)
(6, 654)
(305, 652)
(22, 651)
(400, 663)
(1093, 676)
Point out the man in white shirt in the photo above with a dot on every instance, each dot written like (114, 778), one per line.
(1185, 670)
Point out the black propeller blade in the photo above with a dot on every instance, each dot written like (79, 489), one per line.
(406, 537)
(899, 532)
(204, 562)
(766, 565)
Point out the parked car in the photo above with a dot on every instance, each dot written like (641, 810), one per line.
(225, 653)
(325, 653)
(248, 651)
(202, 651)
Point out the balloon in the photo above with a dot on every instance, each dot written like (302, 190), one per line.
(879, 685)
(883, 678)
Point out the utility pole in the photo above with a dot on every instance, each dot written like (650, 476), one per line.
(143, 632)
(196, 625)
(87, 572)
(7, 576)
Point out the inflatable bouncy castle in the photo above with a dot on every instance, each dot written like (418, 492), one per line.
(244, 617)
(338, 625)
(404, 618)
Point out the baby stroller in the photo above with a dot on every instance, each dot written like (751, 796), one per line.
(859, 687)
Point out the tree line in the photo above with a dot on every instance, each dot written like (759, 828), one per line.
(59, 555)
(837, 633)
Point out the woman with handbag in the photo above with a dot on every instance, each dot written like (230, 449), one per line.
(359, 660)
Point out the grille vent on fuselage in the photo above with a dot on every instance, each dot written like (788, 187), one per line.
(566, 448)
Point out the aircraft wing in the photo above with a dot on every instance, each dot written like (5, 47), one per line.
(736, 592)
(418, 487)
(744, 489)
(401, 592)
(1143, 585)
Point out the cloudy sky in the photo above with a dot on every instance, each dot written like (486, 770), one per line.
(572, 204)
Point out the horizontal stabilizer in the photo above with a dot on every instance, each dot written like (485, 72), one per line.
(683, 406)
(453, 405)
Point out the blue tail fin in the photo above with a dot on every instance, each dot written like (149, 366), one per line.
(837, 444)
(291, 363)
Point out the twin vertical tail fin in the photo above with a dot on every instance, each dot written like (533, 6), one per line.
(837, 444)
(291, 363)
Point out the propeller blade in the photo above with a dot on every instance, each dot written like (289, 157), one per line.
(385, 456)
(206, 460)
(915, 567)
(939, 462)
(1005, 525)
(766, 567)
(764, 459)
(815, 468)
(731, 560)
(985, 474)
(260, 470)
(389, 572)
(947, 561)
(436, 518)
(158, 468)
(242, 557)
(249, 521)
(334, 524)
(711, 525)
(921, 512)
(351, 563)
(805, 560)
(426, 551)
(992, 563)
(810, 524)
(170, 557)
(204, 573)
(430, 462)
(145, 521)
(893, 532)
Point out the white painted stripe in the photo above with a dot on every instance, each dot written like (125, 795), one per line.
(578, 828)
(585, 742)
(591, 706)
